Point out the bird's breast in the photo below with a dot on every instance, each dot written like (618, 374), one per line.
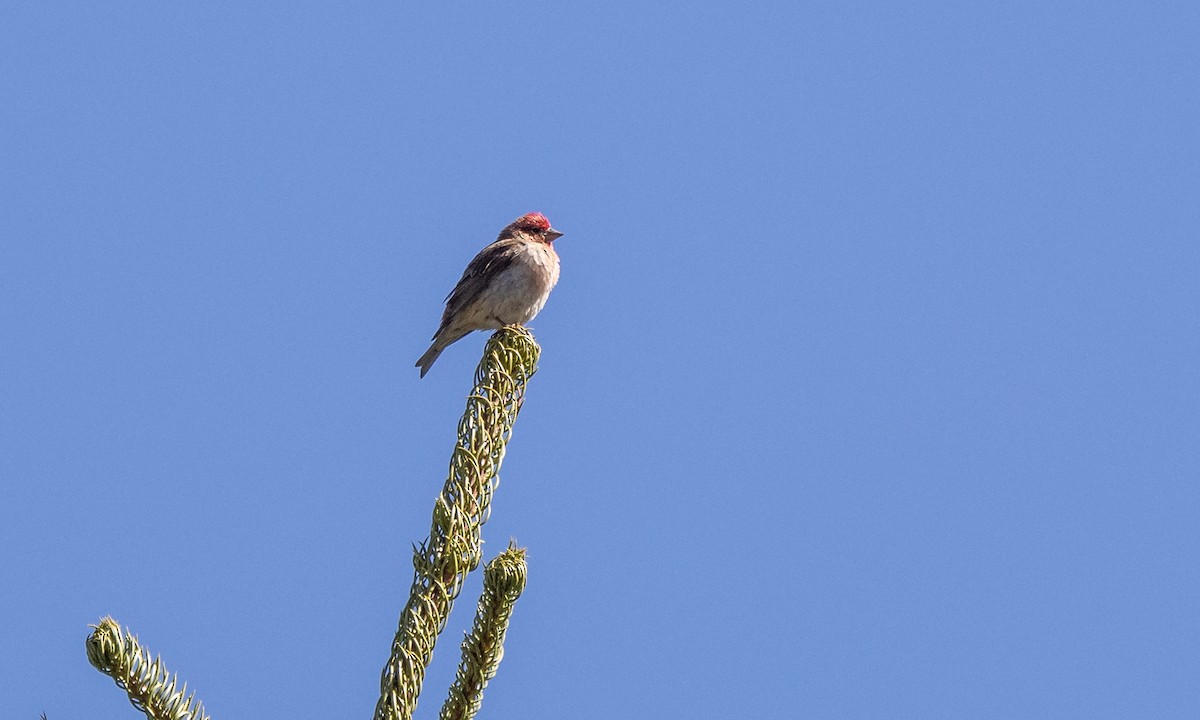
(520, 292)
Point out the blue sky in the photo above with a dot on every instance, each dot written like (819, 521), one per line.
(869, 389)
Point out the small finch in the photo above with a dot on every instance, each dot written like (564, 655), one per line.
(506, 284)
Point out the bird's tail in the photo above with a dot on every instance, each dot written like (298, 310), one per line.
(430, 355)
(442, 339)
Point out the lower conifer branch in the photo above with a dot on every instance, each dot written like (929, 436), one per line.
(117, 653)
(483, 648)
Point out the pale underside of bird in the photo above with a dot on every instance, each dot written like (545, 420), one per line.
(507, 283)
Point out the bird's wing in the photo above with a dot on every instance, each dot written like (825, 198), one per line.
(489, 263)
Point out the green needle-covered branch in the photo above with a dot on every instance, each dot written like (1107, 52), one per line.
(441, 563)
(117, 653)
(483, 647)
(454, 546)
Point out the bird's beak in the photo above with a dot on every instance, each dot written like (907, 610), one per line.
(553, 234)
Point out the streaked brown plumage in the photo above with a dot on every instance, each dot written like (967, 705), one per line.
(507, 283)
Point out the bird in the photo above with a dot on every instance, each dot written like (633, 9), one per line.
(507, 283)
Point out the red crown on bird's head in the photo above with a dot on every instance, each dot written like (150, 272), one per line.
(532, 221)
